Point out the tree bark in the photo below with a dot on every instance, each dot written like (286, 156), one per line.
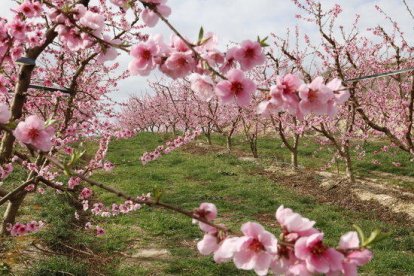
(229, 142)
(348, 162)
(10, 214)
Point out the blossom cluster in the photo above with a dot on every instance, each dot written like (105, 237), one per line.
(20, 229)
(15, 33)
(181, 58)
(99, 230)
(98, 160)
(99, 209)
(33, 131)
(149, 14)
(299, 99)
(5, 113)
(74, 38)
(169, 146)
(300, 249)
(6, 170)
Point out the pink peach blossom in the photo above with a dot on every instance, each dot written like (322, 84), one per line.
(214, 57)
(179, 64)
(288, 264)
(5, 114)
(287, 86)
(318, 257)
(249, 55)
(150, 18)
(27, 9)
(143, 58)
(34, 132)
(293, 224)
(341, 95)
(99, 231)
(17, 29)
(92, 20)
(226, 250)
(108, 166)
(230, 60)
(356, 257)
(255, 249)
(236, 88)
(73, 182)
(178, 44)
(203, 86)
(79, 11)
(108, 53)
(272, 104)
(86, 193)
(315, 97)
(210, 242)
(207, 211)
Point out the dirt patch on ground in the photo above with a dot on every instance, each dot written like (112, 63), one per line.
(376, 201)
(375, 197)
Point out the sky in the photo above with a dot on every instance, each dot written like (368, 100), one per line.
(237, 20)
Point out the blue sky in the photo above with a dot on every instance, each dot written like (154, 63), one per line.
(236, 20)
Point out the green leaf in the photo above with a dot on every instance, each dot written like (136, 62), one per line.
(204, 41)
(371, 238)
(66, 170)
(382, 236)
(50, 122)
(376, 236)
(75, 157)
(263, 42)
(360, 233)
(200, 35)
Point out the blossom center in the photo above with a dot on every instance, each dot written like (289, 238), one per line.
(318, 249)
(249, 53)
(236, 87)
(256, 246)
(202, 213)
(182, 62)
(312, 95)
(146, 54)
(287, 89)
(33, 133)
(26, 10)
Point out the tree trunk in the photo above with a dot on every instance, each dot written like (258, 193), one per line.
(348, 163)
(15, 203)
(229, 142)
(11, 212)
(294, 152)
(294, 159)
(253, 147)
(208, 136)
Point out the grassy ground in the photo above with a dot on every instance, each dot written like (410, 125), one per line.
(314, 156)
(240, 195)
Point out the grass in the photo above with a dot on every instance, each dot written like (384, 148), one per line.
(313, 155)
(240, 195)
